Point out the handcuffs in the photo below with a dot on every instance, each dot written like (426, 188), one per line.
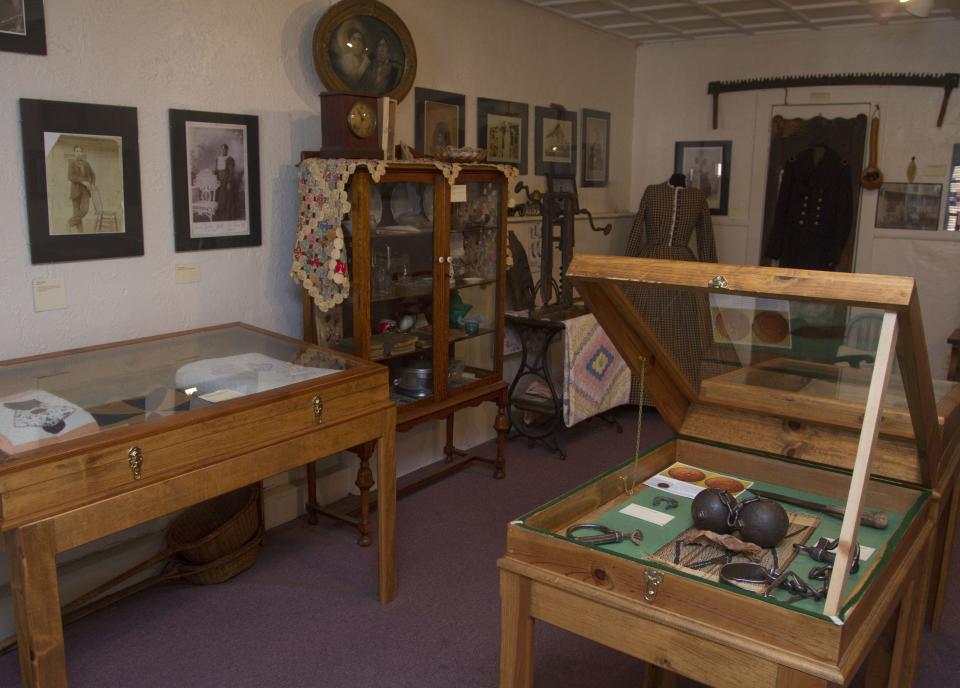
(602, 534)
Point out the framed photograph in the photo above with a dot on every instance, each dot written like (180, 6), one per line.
(362, 46)
(216, 180)
(502, 129)
(22, 28)
(440, 120)
(706, 165)
(596, 148)
(909, 206)
(555, 142)
(82, 170)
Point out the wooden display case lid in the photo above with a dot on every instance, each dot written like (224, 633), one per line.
(778, 360)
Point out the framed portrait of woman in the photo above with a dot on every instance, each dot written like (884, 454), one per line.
(216, 180)
(362, 46)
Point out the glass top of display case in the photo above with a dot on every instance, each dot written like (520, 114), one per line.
(62, 396)
(798, 345)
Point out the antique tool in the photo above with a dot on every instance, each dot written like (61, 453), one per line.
(762, 522)
(603, 536)
(668, 502)
(872, 177)
(715, 510)
(636, 537)
(735, 573)
(825, 552)
(873, 519)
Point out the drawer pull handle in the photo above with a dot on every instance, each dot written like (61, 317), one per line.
(135, 459)
(318, 408)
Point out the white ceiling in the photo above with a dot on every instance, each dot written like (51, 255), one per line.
(647, 21)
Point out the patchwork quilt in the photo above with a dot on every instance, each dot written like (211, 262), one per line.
(595, 376)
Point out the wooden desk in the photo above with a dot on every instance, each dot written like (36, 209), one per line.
(294, 403)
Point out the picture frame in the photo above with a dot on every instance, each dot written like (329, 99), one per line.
(362, 46)
(901, 205)
(555, 141)
(595, 156)
(22, 27)
(440, 120)
(82, 173)
(503, 131)
(706, 165)
(951, 215)
(215, 162)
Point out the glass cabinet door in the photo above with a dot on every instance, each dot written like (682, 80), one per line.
(474, 284)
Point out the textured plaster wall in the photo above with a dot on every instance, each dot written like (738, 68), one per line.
(672, 105)
(254, 57)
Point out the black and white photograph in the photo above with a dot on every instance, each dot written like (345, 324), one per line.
(706, 165)
(556, 141)
(84, 183)
(596, 148)
(909, 206)
(502, 128)
(364, 47)
(22, 27)
(440, 120)
(215, 162)
(82, 170)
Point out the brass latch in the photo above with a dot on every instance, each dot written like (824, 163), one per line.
(718, 282)
(654, 579)
(135, 459)
(318, 408)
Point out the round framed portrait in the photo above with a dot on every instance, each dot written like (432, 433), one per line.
(362, 46)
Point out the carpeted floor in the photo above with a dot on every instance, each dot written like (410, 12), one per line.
(307, 614)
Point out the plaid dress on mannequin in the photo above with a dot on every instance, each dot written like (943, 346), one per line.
(666, 220)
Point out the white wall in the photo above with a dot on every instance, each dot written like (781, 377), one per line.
(254, 57)
(672, 105)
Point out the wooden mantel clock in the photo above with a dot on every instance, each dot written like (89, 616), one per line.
(349, 126)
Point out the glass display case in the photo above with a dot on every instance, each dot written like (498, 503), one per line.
(808, 392)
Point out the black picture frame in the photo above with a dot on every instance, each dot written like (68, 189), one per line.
(502, 150)
(59, 201)
(207, 212)
(696, 160)
(433, 110)
(24, 31)
(595, 148)
(559, 124)
(905, 205)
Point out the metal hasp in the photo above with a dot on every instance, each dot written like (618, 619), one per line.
(653, 580)
(947, 81)
(718, 282)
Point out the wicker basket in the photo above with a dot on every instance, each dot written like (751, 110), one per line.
(216, 528)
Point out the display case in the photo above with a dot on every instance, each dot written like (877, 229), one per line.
(813, 386)
(425, 249)
(96, 440)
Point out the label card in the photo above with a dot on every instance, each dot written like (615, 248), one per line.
(49, 294)
(221, 395)
(646, 514)
(458, 194)
(185, 274)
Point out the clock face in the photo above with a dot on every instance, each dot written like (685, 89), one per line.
(362, 119)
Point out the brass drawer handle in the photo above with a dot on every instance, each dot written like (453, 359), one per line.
(135, 459)
(318, 409)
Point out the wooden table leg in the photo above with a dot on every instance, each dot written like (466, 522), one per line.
(449, 451)
(364, 482)
(502, 425)
(387, 508)
(900, 659)
(312, 493)
(946, 532)
(917, 618)
(516, 632)
(31, 553)
(791, 678)
(655, 677)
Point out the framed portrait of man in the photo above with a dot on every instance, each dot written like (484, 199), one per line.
(362, 46)
(555, 138)
(82, 170)
(596, 148)
(22, 28)
(215, 159)
(439, 120)
(502, 129)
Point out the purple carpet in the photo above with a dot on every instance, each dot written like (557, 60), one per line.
(307, 614)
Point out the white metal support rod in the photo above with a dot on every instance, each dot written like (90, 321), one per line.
(861, 467)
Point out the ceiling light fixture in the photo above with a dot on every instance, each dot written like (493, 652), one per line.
(918, 8)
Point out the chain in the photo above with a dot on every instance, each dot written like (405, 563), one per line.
(636, 449)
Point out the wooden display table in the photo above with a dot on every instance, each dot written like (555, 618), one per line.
(134, 430)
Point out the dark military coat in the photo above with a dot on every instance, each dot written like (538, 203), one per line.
(814, 212)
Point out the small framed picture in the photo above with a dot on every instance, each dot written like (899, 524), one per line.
(596, 148)
(555, 139)
(22, 27)
(502, 129)
(82, 169)
(216, 180)
(909, 206)
(440, 120)
(706, 165)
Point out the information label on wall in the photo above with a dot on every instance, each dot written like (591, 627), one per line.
(49, 294)
(187, 274)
